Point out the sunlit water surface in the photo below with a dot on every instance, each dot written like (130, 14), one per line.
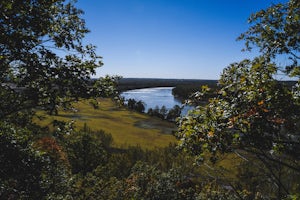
(152, 97)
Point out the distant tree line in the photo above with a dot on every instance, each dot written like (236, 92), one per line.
(162, 113)
(183, 92)
(188, 90)
(138, 106)
(138, 83)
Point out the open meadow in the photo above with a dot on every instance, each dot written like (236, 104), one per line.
(127, 128)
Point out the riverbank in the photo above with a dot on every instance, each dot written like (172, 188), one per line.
(139, 83)
(156, 98)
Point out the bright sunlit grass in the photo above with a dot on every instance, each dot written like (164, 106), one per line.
(126, 127)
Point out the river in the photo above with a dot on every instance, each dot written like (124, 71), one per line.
(152, 97)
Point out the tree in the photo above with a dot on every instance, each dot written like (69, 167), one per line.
(140, 107)
(255, 115)
(163, 112)
(148, 182)
(43, 65)
(86, 150)
(174, 113)
(28, 170)
(274, 32)
(42, 57)
(150, 112)
(131, 103)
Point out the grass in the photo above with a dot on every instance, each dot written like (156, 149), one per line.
(127, 128)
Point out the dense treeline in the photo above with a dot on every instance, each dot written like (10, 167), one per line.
(187, 90)
(138, 106)
(138, 83)
(165, 114)
(184, 92)
(162, 113)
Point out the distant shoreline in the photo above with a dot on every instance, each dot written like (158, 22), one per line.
(139, 83)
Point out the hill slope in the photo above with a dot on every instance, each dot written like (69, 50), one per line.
(127, 128)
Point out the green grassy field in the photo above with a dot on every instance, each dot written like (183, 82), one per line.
(127, 128)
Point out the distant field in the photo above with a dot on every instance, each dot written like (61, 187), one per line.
(126, 127)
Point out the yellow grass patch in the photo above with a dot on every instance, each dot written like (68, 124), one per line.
(126, 127)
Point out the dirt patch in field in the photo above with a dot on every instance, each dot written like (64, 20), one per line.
(73, 116)
(149, 124)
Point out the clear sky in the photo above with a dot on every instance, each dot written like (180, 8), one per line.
(190, 39)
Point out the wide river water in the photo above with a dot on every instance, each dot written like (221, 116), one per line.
(152, 97)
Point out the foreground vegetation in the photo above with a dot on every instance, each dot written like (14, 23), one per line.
(253, 114)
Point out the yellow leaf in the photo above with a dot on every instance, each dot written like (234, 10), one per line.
(243, 79)
(265, 110)
(260, 103)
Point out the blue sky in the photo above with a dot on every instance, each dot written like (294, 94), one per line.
(190, 39)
